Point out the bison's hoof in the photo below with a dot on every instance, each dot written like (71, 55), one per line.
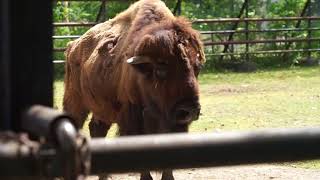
(167, 175)
(105, 177)
(146, 176)
(167, 178)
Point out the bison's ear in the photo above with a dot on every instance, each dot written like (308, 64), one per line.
(107, 46)
(142, 64)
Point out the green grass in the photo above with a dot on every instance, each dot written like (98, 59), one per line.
(266, 99)
(246, 101)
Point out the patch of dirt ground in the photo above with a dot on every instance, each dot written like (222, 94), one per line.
(252, 172)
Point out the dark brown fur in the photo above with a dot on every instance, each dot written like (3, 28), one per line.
(136, 97)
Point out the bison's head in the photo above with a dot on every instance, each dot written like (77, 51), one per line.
(167, 59)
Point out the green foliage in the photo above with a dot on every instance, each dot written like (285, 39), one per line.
(285, 8)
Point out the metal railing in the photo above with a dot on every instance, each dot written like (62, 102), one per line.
(309, 39)
(64, 152)
(222, 21)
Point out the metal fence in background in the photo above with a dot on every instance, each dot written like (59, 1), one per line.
(224, 42)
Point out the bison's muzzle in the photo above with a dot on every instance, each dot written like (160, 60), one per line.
(177, 119)
(184, 113)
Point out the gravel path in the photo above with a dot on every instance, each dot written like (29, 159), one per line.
(252, 172)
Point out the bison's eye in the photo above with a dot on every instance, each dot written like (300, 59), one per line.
(197, 69)
(161, 73)
(145, 68)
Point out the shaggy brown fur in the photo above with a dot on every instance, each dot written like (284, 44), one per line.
(141, 98)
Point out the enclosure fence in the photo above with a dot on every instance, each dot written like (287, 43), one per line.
(243, 36)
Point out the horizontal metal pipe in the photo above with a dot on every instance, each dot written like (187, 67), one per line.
(256, 31)
(153, 152)
(66, 37)
(241, 53)
(58, 61)
(41, 121)
(135, 153)
(219, 20)
(198, 21)
(59, 49)
(218, 32)
(265, 52)
(89, 0)
(240, 42)
(61, 24)
(260, 41)
(77, 0)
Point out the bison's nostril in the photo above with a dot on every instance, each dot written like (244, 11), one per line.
(196, 115)
(182, 115)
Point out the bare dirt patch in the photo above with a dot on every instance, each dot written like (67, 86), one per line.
(252, 172)
(231, 89)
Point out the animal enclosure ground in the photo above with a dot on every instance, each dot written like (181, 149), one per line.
(265, 99)
(252, 172)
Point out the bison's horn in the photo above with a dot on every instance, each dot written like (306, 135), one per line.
(138, 60)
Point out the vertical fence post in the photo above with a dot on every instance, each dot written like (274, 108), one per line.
(232, 45)
(102, 14)
(302, 14)
(309, 31)
(177, 9)
(234, 27)
(212, 39)
(247, 31)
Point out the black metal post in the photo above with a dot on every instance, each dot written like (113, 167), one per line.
(61, 152)
(5, 85)
(26, 62)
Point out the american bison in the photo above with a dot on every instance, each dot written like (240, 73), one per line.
(138, 70)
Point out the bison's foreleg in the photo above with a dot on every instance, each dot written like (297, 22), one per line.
(131, 123)
(146, 175)
(73, 106)
(167, 175)
(98, 128)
